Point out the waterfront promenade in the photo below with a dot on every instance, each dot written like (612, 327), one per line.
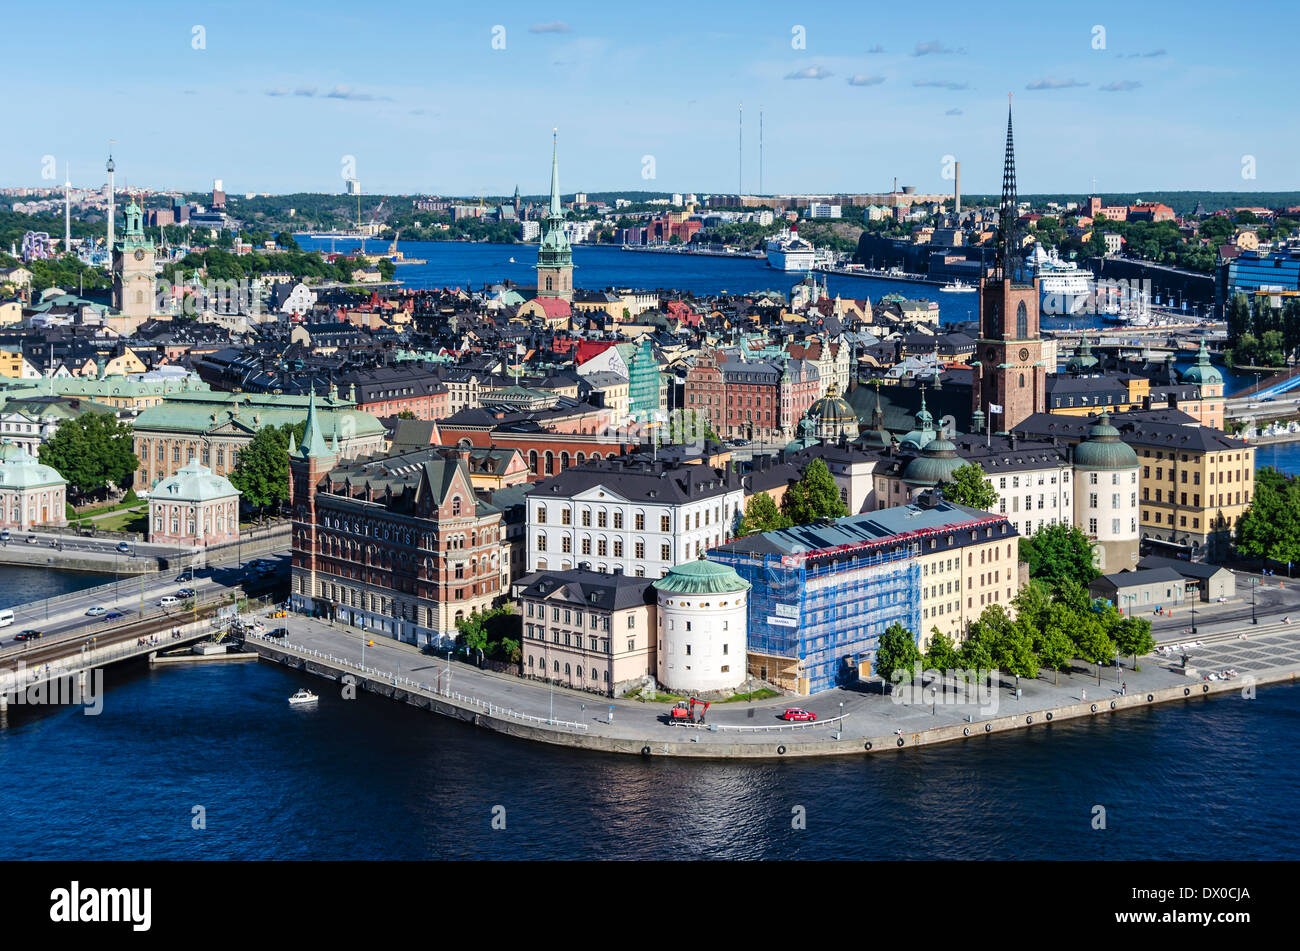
(850, 720)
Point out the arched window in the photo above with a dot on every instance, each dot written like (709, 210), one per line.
(532, 461)
(564, 460)
(550, 462)
(568, 671)
(1022, 323)
(548, 284)
(581, 457)
(1022, 381)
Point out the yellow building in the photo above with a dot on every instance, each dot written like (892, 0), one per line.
(960, 580)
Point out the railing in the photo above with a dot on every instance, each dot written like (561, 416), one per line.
(490, 708)
(778, 727)
(91, 660)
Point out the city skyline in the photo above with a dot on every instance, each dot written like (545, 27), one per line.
(437, 109)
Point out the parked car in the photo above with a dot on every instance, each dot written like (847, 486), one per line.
(96, 611)
(279, 632)
(798, 713)
(28, 635)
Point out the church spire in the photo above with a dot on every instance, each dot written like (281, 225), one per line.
(556, 209)
(1008, 214)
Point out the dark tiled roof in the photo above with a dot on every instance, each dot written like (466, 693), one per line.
(594, 589)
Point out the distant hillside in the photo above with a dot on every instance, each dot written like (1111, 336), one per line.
(1181, 202)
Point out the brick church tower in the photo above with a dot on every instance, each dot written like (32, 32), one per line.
(1010, 381)
(308, 465)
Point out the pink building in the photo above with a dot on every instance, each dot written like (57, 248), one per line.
(194, 507)
(31, 494)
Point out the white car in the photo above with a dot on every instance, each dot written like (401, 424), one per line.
(168, 601)
(96, 611)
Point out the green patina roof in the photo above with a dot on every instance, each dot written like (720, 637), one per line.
(1202, 371)
(194, 483)
(1103, 449)
(936, 464)
(203, 412)
(20, 470)
(701, 577)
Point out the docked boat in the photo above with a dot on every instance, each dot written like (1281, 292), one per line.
(786, 251)
(302, 698)
(957, 287)
(1065, 289)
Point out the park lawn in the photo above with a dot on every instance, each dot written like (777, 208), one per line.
(129, 521)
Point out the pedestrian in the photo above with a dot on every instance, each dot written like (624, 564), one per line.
(1083, 695)
(1123, 689)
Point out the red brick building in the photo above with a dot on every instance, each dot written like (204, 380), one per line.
(751, 399)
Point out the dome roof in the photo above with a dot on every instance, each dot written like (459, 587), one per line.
(936, 464)
(194, 483)
(1202, 371)
(19, 469)
(832, 407)
(1103, 449)
(920, 437)
(701, 577)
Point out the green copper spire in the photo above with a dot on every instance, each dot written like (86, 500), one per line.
(556, 210)
(313, 440)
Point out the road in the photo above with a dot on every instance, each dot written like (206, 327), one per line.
(65, 618)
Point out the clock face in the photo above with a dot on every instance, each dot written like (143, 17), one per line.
(1024, 353)
(139, 254)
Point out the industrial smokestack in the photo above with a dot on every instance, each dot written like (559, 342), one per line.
(956, 188)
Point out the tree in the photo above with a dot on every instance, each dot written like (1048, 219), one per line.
(940, 654)
(1271, 526)
(1052, 642)
(93, 452)
(406, 414)
(969, 487)
(1057, 553)
(897, 651)
(814, 496)
(1133, 636)
(1091, 642)
(495, 633)
(262, 474)
(761, 515)
(287, 241)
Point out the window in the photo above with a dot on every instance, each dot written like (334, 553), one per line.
(618, 519)
(663, 522)
(639, 521)
(665, 552)
(541, 542)
(541, 515)
(566, 517)
(586, 518)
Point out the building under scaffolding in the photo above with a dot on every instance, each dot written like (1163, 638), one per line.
(822, 594)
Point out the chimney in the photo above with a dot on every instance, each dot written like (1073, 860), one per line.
(956, 188)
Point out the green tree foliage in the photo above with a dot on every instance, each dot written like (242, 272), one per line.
(262, 473)
(814, 496)
(1271, 526)
(897, 651)
(1132, 636)
(1057, 553)
(941, 653)
(93, 452)
(1091, 641)
(970, 487)
(1052, 641)
(496, 633)
(761, 515)
(287, 241)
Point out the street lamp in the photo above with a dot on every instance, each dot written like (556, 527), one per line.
(1253, 618)
(1194, 598)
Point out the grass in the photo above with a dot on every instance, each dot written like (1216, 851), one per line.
(128, 521)
(763, 693)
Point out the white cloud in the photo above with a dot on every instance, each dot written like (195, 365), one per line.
(1120, 85)
(555, 26)
(1055, 84)
(863, 79)
(809, 72)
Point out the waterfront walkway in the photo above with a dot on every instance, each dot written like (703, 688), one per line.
(850, 720)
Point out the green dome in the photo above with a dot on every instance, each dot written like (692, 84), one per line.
(936, 464)
(1103, 449)
(19, 469)
(701, 577)
(1203, 371)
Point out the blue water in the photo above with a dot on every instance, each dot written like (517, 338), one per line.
(372, 779)
(20, 585)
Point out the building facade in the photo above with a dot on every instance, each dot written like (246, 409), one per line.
(194, 507)
(31, 494)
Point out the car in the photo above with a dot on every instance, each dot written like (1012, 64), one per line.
(279, 632)
(31, 539)
(183, 577)
(123, 547)
(4, 535)
(114, 615)
(1266, 399)
(96, 611)
(798, 713)
(168, 601)
(185, 593)
(28, 635)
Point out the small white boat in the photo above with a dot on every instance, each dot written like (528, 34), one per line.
(512, 260)
(957, 287)
(302, 697)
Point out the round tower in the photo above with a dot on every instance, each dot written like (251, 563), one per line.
(702, 628)
(1106, 495)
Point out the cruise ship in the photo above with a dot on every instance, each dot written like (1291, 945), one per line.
(786, 251)
(1065, 288)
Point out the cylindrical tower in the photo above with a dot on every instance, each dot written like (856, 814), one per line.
(1106, 496)
(702, 627)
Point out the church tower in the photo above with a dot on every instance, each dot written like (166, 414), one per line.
(1010, 381)
(134, 281)
(554, 256)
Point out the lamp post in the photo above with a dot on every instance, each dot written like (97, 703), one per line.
(1194, 598)
(1253, 582)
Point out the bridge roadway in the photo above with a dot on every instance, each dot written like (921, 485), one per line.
(63, 619)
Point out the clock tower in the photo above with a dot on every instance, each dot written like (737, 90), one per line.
(135, 285)
(1009, 368)
(554, 256)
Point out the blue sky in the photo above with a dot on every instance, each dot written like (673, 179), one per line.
(281, 93)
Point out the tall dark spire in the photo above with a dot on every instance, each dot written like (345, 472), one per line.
(1007, 263)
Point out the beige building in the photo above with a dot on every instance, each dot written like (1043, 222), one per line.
(587, 629)
(971, 570)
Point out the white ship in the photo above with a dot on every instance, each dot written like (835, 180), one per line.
(1064, 288)
(957, 287)
(786, 251)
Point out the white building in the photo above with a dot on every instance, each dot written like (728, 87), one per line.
(702, 628)
(632, 516)
(819, 209)
(1106, 496)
